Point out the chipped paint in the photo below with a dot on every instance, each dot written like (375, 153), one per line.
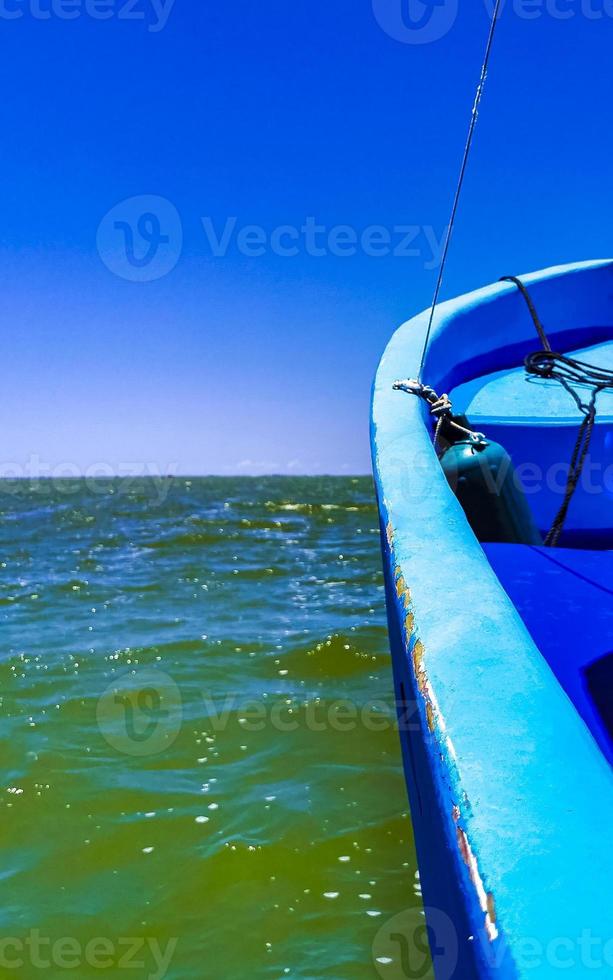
(491, 907)
(486, 899)
(436, 722)
(430, 717)
(436, 725)
(409, 626)
(404, 594)
(451, 749)
(418, 665)
(389, 531)
(433, 712)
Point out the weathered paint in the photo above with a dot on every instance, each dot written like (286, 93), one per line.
(436, 724)
(499, 745)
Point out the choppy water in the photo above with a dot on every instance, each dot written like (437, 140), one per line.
(177, 767)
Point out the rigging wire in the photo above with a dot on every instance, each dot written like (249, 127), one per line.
(463, 168)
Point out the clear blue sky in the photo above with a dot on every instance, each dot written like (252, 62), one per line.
(270, 113)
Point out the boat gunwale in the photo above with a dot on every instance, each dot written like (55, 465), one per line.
(537, 828)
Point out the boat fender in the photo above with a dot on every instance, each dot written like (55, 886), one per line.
(482, 475)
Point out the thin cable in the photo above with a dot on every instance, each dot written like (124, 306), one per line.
(458, 193)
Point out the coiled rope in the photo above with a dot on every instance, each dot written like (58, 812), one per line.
(568, 371)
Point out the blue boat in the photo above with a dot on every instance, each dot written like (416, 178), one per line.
(496, 511)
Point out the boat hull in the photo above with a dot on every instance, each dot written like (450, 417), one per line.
(510, 795)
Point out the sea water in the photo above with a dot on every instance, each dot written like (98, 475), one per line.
(201, 773)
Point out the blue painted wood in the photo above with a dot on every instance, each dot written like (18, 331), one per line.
(565, 597)
(504, 396)
(511, 797)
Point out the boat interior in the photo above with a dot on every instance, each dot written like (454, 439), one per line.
(564, 594)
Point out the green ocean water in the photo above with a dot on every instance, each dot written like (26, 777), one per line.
(201, 774)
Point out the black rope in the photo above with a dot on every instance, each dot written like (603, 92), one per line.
(568, 371)
(533, 313)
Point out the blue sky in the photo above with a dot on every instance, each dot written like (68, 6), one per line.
(236, 357)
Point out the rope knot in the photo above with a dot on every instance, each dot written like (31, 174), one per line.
(440, 405)
(441, 410)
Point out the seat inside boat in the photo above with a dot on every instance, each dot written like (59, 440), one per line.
(565, 594)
